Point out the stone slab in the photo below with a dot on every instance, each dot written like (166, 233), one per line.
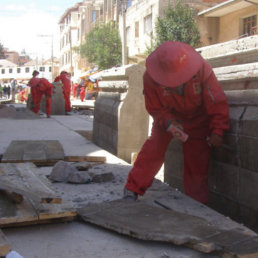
(147, 222)
(33, 151)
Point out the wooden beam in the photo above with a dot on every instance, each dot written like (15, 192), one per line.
(5, 248)
(100, 159)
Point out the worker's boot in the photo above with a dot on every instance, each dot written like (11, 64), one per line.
(129, 195)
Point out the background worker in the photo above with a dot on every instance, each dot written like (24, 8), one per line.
(66, 80)
(182, 92)
(40, 87)
(33, 82)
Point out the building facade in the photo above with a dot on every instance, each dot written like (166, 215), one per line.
(9, 70)
(230, 20)
(136, 22)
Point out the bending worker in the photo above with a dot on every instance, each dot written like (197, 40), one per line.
(66, 80)
(181, 92)
(40, 87)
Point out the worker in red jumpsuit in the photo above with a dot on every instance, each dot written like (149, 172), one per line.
(64, 77)
(182, 92)
(33, 82)
(40, 87)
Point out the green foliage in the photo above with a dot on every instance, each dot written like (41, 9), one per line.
(2, 56)
(178, 24)
(103, 46)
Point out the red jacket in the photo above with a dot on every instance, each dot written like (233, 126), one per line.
(34, 81)
(65, 79)
(45, 86)
(201, 107)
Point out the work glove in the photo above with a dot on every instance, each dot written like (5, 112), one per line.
(215, 140)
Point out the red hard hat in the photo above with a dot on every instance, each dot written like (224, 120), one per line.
(173, 63)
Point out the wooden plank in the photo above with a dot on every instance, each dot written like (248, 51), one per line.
(5, 247)
(34, 209)
(22, 178)
(28, 213)
(100, 159)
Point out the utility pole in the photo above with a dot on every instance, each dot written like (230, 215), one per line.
(124, 49)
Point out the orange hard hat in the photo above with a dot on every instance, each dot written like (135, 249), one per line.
(173, 63)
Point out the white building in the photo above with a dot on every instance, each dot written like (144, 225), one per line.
(9, 70)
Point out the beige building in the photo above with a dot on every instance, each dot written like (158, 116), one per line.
(136, 22)
(232, 19)
(74, 24)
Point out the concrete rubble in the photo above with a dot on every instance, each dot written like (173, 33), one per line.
(104, 184)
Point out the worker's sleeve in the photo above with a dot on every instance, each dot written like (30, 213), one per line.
(33, 82)
(216, 104)
(153, 102)
(57, 79)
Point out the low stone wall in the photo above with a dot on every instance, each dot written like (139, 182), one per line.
(57, 100)
(120, 119)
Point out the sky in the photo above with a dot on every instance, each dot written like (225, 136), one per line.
(24, 22)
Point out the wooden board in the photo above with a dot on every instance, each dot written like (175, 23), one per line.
(5, 248)
(22, 178)
(148, 222)
(39, 152)
(101, 159)
(40, 202)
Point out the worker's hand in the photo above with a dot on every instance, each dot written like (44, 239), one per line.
(215, 140)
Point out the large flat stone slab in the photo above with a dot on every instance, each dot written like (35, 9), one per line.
(149, 222)
(45, 151)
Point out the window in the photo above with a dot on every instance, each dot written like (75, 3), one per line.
(94, 16)
(42, 69)
(136, 29)
(3, 71)
(18, 70)
(50, 69)
(27, 70)
(249, 25)
(148, 24)
(10, 70)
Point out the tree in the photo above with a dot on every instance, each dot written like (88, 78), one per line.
(178, 24)
(2, 55)
(103, 46)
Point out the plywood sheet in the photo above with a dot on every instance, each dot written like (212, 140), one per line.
(148, 222)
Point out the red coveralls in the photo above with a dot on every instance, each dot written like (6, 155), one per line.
(202, 110)
(33, 83)
(75, 89)
(44, 87)
(82, 93)
(65, 79)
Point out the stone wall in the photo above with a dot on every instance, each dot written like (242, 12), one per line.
(120, 119)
